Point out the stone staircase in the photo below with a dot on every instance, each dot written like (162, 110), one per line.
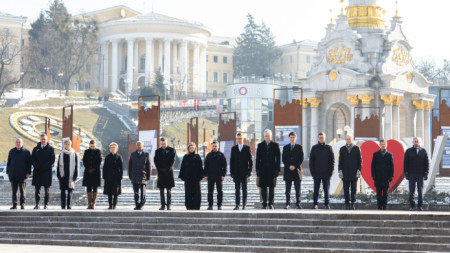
(232, 231)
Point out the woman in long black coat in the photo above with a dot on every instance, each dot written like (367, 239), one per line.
(191, 172)
(112, 174)
(67, 173)
(92, 159)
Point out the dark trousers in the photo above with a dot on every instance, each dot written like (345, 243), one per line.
(349, 185)
(382, 195)
(326, 189)
(37, 194)
(264, 195)
(163, 199)
(415, 179)
(237, 187)
(298, 193)
(21, 186)
(69, 198)
(218, 184)
(139, 198)
(112, 200)
(192, 194)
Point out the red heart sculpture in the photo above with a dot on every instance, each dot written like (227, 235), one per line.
(398, 152)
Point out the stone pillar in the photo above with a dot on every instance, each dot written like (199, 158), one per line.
(114, 65)
(203, 69)
(314, 103)
(149, 60)
(120, 56)
(397, 101)
(174, 57)
(305, 137)
(196, 68)
(136, 56)
(354, 101)
(160, 56)
(388, 124)
(420, 105)
(130, 60)
(105, 62)
(167, 64)
(427, 129)
(184, 61)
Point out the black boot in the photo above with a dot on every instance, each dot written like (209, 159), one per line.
(115, 202)
(110, 202)
(162, 198)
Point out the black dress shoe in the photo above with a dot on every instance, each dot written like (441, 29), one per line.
(140, 208)
(45, 206)
(22, 207)
(271, 207)
(13, 207)
(347, 207)
(298, 206)
(162, 207)
(380, 208)
(236, 208)
(287, 207)
(168, 207)
(411, 209)
(384, 208)
(109, 208)
(219, 208)
(420, 209)
(243, 207)
(36, 207)
(210, 208)
(264, 207)
(327, 207)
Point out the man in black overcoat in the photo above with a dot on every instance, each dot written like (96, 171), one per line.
(164, 161)
(267, 167)
(241, 165)
(215, 170)
(139, 166)
(416, 167)
(350, 164)
(292, 160)
(42, 157)
(382, 173)
(18, 169)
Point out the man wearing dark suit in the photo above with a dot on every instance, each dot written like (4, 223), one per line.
(350, 164)
(416, 167)
(292, 159)
(139, 166)
(321, 165)
(241, 165)
(267, 167)
(215, 170)
(382, 173)
(164, 161)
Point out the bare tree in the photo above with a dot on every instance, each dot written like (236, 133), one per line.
(11, 54)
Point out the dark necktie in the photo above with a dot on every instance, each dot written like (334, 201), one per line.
(267, 146)
(292, 147)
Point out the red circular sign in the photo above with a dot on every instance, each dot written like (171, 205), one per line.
(243, 91)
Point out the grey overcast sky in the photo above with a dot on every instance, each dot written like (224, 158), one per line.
(425, 23)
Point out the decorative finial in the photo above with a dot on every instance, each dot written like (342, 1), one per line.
(342, 7)
(331, 16)
(396, 8)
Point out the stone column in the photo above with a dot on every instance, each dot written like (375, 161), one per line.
(130, 60)
(305, 137)
(174, 57)
(203, 69)
(314, 103)
(354, 101)
(105, 62)
(160, 56)
(136, 56)
(420, 105)
(167, 63)
(388, 101)
(184, 61)
(120, 56)
(397, 101)
(427, 129)
(196, 68)
(114, 65)
(149, 60)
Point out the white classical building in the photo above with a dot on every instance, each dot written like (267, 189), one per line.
(362, 63)
(134, 48)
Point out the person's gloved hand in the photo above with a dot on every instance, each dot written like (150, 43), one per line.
(341, 175)
(425, 176)
(407, 176)
(358, 174)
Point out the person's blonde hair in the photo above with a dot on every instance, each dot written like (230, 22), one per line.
(68, 141)
(114, 144)
(189, 145)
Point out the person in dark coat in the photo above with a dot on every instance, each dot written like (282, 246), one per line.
(18, 169)
(416, 167)
(139, 166)
(112, 174)
(268, 167)
(92, 159)
(191, 172)
(43, 158)
(382, 173)
(215, 170)
(292, 159)
(67, 172)
(241, 166)
(164, 161)
(321, 165)
(349, 167)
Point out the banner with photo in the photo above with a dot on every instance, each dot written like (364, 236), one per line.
(150, 140)
(282, 136)
(446, 155)
(225, 148)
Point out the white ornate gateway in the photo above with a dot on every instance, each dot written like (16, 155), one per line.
(362, 63)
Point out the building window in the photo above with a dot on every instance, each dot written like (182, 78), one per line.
(308, 59)
(142, 65)
(290, 59)
(207, 77)
(5, 32)
(216, 77)
(225, 77)
(225, 59)
(216, 59)
(87, 85)
(206, 58)
(214, 93)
